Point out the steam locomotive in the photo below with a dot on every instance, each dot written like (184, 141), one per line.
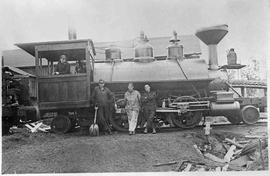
(185, 87)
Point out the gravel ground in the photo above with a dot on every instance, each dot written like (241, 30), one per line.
(25, 152)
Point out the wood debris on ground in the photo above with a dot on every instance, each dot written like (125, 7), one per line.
(38, 126)
(241, 155)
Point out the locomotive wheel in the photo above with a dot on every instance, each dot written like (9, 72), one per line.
(61, 124)
(120, 122)
(250, 114)
(187, 120)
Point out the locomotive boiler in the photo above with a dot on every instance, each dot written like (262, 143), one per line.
(182, 85)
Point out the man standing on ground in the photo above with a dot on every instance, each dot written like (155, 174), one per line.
(132, 98)
(103, 98)
(149, 108)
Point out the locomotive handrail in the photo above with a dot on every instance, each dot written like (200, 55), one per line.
(193, 87)
(232, 89)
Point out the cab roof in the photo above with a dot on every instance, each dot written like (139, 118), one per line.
(30, 48)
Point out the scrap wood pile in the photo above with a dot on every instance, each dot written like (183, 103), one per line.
(220, 153)
(249, 153)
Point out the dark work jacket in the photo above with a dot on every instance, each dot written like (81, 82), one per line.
(80, 68)
(149, 100)
(63, 68)
(102, 98)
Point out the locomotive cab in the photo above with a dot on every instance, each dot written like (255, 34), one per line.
(62, 93)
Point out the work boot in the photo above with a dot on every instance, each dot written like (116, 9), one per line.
(130, 132)
(145, 131)
(154, 131)
(133, 132)
(110, 132)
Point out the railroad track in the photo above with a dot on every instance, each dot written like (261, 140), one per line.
(173, 129)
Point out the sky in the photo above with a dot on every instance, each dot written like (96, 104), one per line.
(114, 20)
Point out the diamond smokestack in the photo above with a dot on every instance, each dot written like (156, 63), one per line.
(211, 36)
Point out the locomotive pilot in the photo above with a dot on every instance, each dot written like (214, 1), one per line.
(63, 66)
(103, 98)
(148, 100)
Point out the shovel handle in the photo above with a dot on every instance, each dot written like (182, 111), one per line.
(95, 118)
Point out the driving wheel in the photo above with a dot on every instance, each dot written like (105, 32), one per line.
(187, 120)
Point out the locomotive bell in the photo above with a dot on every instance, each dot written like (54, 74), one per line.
(175, 51)
(113, 53)
(144, 50)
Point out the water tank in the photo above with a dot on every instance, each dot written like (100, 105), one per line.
(231, 57)
(113, 53)
(144, 50)
(175, 51)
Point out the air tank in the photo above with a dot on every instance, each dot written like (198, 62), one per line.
(144, 50)
(175, 51)
(113, 53)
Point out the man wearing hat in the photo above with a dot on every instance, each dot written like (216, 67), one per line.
(103, 98)
(63, 66)
(148, 99)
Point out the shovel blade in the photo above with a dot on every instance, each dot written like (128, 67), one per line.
(94, 130)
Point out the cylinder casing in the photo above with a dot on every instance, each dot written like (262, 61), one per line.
(220, 108)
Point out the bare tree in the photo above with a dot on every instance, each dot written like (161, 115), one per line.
(251, 71)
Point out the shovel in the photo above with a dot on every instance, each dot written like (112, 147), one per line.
(94, 130)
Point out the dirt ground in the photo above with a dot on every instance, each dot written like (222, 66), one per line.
(25, 152)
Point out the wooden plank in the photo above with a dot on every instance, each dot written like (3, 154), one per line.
(53, 90)
(197, 150)
(255, 136)
(240, 162)
(37, 72)
(188, 167)
(88, 72)
(63, 105)
(165, 164)
(63, 92)
(234, 143)
(229, 154)
(69, 78)
(214, 158)
(36, 127)
(43, 92)
(61, 46)
(73, 91)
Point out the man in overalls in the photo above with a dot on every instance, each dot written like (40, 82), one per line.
(103, 98)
